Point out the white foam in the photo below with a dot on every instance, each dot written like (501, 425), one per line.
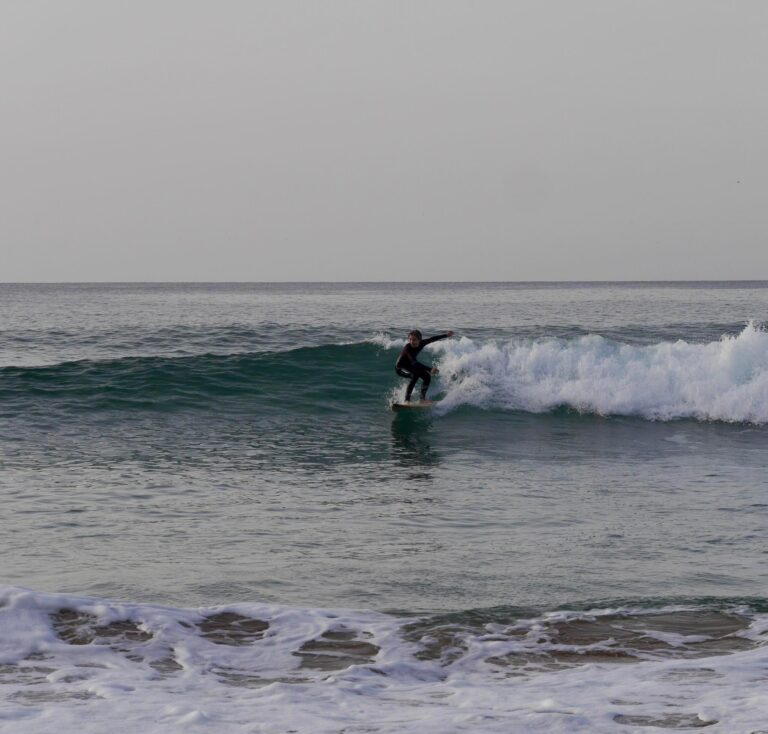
(724, 380)
(95, 687)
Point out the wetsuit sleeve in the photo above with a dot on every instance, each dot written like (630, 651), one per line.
(431, 339)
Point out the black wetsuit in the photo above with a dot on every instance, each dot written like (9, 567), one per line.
(409, 367)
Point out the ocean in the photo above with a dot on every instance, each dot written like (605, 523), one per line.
(212, 521)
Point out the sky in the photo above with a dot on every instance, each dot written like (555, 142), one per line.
(358, 140)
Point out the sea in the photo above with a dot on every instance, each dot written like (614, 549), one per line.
(213, 522)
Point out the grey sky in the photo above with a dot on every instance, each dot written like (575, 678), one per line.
(436, 140)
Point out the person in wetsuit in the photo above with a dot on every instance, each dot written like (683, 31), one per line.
(408, 365)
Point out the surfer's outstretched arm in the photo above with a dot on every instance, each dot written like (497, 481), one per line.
(437, 338)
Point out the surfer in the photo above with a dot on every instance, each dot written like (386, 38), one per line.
(409, 367)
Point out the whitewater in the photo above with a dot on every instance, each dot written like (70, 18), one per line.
(723, 380)
(157, 669)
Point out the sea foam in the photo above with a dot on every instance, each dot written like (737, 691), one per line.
(72, 663)
(725, 380)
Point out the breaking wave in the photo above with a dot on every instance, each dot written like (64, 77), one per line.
(723, 380)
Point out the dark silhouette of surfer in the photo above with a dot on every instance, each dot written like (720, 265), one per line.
(408, 365)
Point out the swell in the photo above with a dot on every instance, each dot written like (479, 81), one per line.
(38, 347)
(314, 375)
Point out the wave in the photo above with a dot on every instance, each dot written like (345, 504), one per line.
(85, 662)
(41, 347)
(325, 376)
(723, 380)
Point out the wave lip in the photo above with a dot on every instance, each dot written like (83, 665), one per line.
(724, 380)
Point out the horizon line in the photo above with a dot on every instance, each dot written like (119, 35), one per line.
(376, 282)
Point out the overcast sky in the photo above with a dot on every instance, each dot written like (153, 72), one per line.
(357, 140)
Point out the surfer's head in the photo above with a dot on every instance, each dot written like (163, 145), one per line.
(414, 338)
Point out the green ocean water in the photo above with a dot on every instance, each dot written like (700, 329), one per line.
(198, 444)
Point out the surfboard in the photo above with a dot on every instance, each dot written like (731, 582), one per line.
(416, 405)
